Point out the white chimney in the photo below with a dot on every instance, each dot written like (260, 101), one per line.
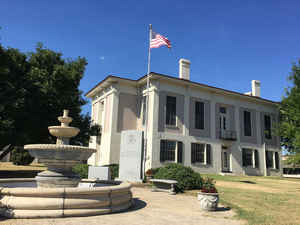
(184, 69)
(255, 84)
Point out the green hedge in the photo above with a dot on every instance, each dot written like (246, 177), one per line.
(20, 156)
(82, 170)
(114, 170)
(186, 177)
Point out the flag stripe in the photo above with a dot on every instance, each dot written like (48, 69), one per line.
(159, 40)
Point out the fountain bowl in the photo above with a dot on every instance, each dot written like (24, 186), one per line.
(60, 131)
(59, 159)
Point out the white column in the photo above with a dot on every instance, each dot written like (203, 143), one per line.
(153, 142)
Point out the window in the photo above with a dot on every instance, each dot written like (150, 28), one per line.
(247, 123)
(250, 158)
(201, 153)
(223, 118)
(267, 131)
(170, 149)
(272, 160)
(199, 115)
(223, 110)
(171, 111)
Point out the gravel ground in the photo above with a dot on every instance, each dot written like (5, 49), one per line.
(155, 208)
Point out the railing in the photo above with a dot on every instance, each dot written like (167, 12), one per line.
(228, 135)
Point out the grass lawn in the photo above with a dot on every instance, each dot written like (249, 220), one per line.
(9, 166)
(261, 200)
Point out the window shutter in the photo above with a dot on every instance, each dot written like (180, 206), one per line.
(208, 152)
(162, 150)
(179, 151)
(244, 157)
(193, 155)
(276, 160)
(256, 159)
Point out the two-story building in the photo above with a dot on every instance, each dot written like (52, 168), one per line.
(211, 129)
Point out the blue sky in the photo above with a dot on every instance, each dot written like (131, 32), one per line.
(228, 42)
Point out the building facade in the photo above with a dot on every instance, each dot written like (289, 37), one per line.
(210, 129)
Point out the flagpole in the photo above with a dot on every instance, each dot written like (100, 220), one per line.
(147, 103)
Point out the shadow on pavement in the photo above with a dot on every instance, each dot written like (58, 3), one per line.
(222, 209)
(247, 181)
(137, 204)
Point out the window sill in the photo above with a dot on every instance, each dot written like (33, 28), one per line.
(173, 127)
(272, 169)
(250, 167)
(201, 165)
(168, 161)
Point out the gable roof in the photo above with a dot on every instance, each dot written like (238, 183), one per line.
(112, 78)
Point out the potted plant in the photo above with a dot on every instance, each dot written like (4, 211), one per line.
(149, 174)
(208, 197)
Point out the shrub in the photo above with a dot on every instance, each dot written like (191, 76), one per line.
(185, 176)
(20, 156)
(114, 170)
(82, 170)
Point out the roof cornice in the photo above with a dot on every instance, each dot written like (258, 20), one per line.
(153, 75)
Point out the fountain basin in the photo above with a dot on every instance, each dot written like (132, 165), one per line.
(59, 159)
(60, 131)
(59, 152)
(20, 201)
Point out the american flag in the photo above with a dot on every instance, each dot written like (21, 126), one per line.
(158, 40)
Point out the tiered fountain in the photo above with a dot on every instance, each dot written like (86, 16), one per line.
(60, 157)
(55, 192)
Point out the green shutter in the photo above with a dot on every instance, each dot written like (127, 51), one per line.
(276, 160)
(179, 151)
(244, 157)
(208, 152)
(256, 159)
(162, 150)
(193, 153)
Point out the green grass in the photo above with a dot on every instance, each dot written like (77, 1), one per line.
(261, 200)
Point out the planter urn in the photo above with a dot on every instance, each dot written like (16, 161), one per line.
(208, 201)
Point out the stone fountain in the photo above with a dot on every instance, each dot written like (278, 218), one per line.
(55, 192)
(60, 157)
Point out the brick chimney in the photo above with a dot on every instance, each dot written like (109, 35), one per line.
(184, 69)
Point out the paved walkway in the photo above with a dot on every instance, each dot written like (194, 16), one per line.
(151, 208)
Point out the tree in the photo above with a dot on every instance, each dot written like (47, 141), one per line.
(34, 89)
(289, 128)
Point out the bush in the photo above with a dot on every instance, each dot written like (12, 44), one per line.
(114, 170)
(82, 170)
(20, 156)
(185, 176)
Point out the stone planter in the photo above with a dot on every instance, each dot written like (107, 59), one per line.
(208, 201)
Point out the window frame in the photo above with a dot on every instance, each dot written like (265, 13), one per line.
(199, 116)
(172, 121)
(254, 158)
(268, 130)
(247, 129)
(178, 147)
(206, 154)
(275, 160)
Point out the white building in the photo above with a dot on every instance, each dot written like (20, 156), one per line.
(210, 129)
